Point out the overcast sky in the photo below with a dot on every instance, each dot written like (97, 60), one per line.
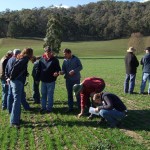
(20, 4)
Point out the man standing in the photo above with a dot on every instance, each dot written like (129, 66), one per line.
(146, 71)
(35, 85)
(87, 89)
(131, 64)
(3, 63)
(47, 72)
(71, 68)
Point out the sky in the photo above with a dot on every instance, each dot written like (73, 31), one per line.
(30, 4)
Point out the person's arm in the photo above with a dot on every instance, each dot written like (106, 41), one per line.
(79, 66)
(63, 71)
(108, 105)
(83, 103)
(57, 69)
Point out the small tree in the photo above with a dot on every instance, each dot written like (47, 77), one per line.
(137, 41)
(53, 37)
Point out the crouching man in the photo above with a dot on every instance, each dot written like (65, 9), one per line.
(110, 108)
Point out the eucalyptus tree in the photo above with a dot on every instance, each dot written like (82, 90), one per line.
(53, 37)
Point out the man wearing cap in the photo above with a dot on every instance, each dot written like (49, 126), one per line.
(47, 72)
(71, 68)
(131, 64)
(146, 71)
(3, 63)
(87, 89)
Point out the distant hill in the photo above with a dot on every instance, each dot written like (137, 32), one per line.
(80, 48)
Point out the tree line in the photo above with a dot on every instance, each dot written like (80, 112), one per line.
(103, 20)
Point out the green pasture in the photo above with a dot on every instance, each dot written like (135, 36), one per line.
(61, 131)
(82, 49)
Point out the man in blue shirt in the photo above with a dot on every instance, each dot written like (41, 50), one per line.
(71, 68)
(146, 71)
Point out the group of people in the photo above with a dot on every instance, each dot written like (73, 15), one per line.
(88, 93)
(131, 64)
(13, 72)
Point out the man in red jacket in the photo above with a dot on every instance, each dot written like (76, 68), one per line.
(87, 88)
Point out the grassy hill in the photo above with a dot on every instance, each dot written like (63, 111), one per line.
(81, 49)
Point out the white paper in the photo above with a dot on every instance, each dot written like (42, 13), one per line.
(92, 111)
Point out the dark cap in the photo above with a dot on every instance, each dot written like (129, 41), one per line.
(47, 49)
(147, 48)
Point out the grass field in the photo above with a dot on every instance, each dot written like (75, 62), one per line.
(81, 49)
(60, 131)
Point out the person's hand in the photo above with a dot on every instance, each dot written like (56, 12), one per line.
(8, 81)
(79, 115)
(97, 110)
(55, 74)
(71, 73)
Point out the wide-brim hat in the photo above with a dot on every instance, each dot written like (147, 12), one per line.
(131, 49)
(77, 88)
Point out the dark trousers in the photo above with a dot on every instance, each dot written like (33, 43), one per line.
(36, 93)
(69, 86)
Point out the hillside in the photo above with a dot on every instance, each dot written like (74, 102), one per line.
(80, 48)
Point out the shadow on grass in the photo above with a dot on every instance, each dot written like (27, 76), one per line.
(137, 120)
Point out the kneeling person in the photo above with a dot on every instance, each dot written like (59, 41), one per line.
(111, 108)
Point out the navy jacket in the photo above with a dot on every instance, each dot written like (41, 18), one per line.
(19, 70)
(46, 69)
(146, 63)
(9, 66)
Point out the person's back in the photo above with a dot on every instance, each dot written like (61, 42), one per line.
(131, 63)
(146, 63)
(116, 102)
(146, 71)
(92, 84)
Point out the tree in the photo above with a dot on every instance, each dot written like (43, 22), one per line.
(136, 40)
(53, 37)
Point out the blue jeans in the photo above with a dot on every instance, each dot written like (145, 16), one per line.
(112, 116)
(129, 83)
(4, 93)
(17, 87)
(143, 84)
(36, 93)
(24, 102)
(69, 87)
(9, 99)
(47, 91)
